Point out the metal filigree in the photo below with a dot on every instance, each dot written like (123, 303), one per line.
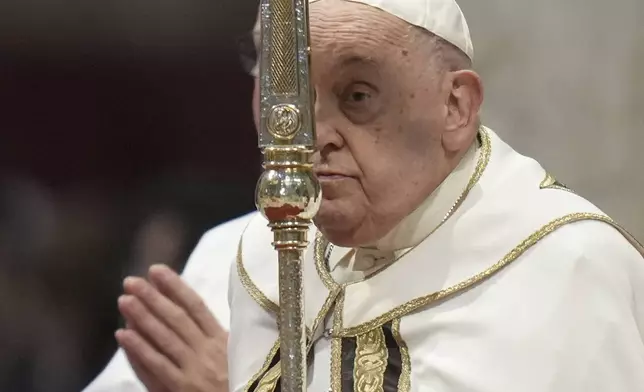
(284, 121)
(288, 194)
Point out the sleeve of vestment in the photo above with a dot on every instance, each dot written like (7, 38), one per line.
(252, 339)
(206, 271)
(598, 326)
(117, 376)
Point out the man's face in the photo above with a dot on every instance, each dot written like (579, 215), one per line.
(380, 115)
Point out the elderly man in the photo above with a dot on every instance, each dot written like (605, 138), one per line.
(443, 259)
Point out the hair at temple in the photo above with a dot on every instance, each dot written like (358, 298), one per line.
(447, 56)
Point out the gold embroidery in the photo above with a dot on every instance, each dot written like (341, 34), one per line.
(271, 306)
(484, 158)
(404, 383)
(270, 378)
(336, 347)
(370, 362)
(328, 304)
(269, 381)
(267, 363)
(250, 287)
(421, 302)
(550, 182)
(325, 275)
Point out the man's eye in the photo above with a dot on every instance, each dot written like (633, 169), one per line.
(359, 96)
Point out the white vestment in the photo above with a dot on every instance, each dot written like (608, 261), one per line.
(207, 272)
(503, 281)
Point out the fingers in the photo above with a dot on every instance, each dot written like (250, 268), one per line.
(145, 356)
(139, 317)
(164, 311)
(144, 375)
(170, 284)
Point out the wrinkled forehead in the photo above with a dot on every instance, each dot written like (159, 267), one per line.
(443, 18)
(351, 23)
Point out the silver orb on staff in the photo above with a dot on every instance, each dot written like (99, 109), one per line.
(288, 193)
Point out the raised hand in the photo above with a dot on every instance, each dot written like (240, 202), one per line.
(172, 340)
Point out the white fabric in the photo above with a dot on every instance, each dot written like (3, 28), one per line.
(441, 17)
(207, 272)
(567, 315)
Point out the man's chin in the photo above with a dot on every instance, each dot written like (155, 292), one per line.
(336, 225)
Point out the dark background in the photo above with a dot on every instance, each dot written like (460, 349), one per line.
(125, 133)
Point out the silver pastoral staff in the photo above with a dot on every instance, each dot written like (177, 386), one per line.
(288, 194)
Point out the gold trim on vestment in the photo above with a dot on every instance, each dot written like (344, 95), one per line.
(484, 158)
(269, 380)
(252, 290)
(336, 346)
(370, 362)
(268, 383)
(550, 182)
(394, 315)
(424, 301)
(404, 382)
(264, 368)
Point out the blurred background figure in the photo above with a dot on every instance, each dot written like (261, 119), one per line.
(126, 132)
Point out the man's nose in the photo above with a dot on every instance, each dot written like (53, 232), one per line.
(327, 136)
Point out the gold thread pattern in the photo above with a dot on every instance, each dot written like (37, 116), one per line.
(250, 287)
(283, 60)
(272, 307)
(269, 381)
(550, 182)
(326, 308)
(370, 362)
(336, 346)
(264, 368)
(323, 272)
(423, 301)
(262, 300)
(484, 157)
(404, 383)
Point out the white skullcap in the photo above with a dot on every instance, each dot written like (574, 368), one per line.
(443, 18)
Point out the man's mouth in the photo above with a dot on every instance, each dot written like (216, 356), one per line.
(330, 176)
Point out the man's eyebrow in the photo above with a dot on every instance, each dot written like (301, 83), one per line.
(356, 59)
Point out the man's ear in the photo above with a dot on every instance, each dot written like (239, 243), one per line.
(465, 97)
